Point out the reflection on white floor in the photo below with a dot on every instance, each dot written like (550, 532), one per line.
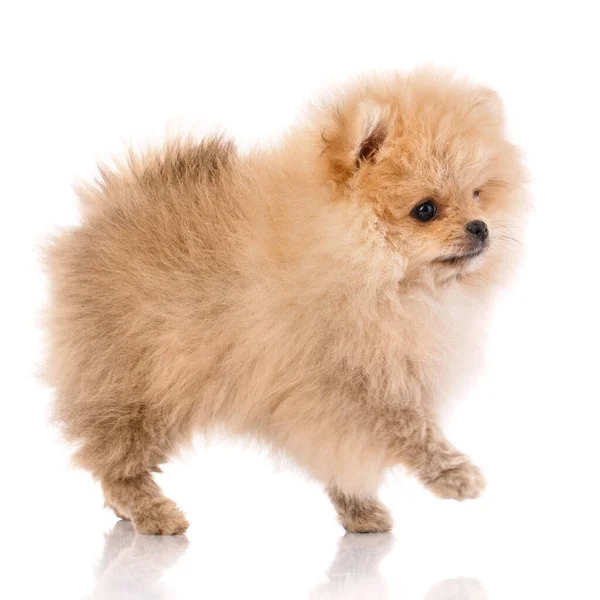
(457, 589)
(132, 567)
(354, 572)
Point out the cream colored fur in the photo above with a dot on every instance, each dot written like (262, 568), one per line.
(288, 293)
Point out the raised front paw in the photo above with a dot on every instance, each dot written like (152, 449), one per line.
(461, 482)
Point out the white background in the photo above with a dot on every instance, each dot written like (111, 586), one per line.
(80, 81)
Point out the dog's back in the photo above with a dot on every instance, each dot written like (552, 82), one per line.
(155, 252)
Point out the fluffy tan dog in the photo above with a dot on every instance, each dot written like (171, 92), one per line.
(319, 295)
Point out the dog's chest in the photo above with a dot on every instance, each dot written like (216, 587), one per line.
(428, 345)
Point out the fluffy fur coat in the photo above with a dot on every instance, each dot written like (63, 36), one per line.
(293, 294)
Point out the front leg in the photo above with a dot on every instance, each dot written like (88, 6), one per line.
(360, 513)
(417, 442)
(390, 435)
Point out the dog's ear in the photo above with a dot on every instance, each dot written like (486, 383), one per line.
(488, 102)
(354, 138)
(374, 124)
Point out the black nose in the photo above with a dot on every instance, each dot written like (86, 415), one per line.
(479, 229)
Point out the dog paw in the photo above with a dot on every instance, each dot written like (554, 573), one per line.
(377, 521)
(461, 482)
(160, 519)
(361, 514)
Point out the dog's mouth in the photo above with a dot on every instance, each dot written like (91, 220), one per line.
(458, 259)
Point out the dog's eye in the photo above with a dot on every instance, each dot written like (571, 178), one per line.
(425, 211)
(476, 193)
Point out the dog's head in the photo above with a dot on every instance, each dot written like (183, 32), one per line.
(430, 156)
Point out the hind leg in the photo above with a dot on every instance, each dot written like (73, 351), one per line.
(141, 499)
(116, 510)
(360, 513)
(124, 443)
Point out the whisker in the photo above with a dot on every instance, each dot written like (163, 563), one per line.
(509, 238)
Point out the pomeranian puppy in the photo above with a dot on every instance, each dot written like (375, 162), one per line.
(319, 295)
